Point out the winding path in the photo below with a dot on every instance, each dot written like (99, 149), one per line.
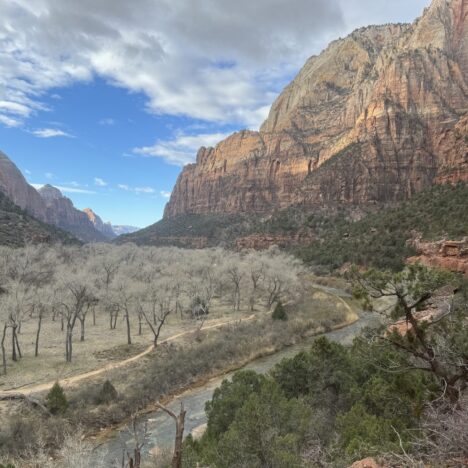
(73, 380)
(70, 381)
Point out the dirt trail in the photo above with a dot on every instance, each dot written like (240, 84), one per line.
(70, 381)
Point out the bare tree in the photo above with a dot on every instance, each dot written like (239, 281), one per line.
(76, 297)
(179, 435)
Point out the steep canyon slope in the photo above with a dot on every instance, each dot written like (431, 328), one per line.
(376, 117)
(47, 205)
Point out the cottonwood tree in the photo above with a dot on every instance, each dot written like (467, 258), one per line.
(235, 275)
(413, 289)
(125, 301)
(256, 271)
(145, 308)
(76, 296)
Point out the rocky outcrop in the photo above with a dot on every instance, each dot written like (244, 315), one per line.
(62, 213)
(15, 187)
(376, 117)
(448, 254)
(104, 228)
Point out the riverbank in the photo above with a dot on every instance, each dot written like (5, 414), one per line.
(178, 366)
(206, 379)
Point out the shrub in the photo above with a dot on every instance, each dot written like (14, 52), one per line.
(56, 400)
(107, 394)
(279, 313)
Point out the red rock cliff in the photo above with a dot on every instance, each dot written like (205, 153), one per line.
(376, 117)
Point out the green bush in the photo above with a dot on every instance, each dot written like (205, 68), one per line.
(107, 394)
(56, 400)
(279, 313)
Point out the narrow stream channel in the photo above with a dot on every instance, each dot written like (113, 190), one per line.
(160, 427)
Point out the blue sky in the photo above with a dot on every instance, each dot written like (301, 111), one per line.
(108, 99)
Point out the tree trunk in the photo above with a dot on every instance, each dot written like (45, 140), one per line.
(127, 321)
(4, 363)
(94, 316)
(68, 343)
(82, 328)
(13, 344)
(18, 346)
(39, 324)
(179, 436)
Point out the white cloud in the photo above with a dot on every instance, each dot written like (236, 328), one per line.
(139, 190)
(219, 61)
(15, 108)
(107, 122)
(50, 133)
(65, 189)
(49, 175)
(8, 121)
(165, 194)
(182, 149)
(100, 182)
(27, 172)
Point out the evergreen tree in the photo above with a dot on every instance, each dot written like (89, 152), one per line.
(56, 400)
(279, 313)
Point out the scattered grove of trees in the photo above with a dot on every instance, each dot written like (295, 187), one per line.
(71, 287)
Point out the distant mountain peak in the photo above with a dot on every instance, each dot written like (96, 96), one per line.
(49, 192)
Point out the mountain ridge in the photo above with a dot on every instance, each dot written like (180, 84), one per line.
(47, 204)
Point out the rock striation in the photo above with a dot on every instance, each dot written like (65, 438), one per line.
(376, 117)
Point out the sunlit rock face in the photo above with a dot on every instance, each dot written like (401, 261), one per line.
(104, 228)
(375, 117)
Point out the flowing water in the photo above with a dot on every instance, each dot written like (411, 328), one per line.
(160, 427)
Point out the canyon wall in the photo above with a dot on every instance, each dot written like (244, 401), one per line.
(376, 117)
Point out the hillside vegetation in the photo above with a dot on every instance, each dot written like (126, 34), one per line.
(377, 239)
(17, 228)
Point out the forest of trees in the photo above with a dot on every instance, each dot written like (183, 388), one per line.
(69, 288)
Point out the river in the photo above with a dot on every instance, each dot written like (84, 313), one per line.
(160, 427)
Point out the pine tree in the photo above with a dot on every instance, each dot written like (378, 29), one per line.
(56, 400)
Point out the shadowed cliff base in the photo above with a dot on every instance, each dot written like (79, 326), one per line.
(328, 238)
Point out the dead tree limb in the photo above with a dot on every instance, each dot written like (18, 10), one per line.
(179, 437)
(21, 396)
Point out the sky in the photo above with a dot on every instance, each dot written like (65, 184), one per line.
(108, 99)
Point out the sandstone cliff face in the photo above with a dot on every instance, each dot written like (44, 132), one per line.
(376, 117)
(14, 185)
(104, 228)
(62, 213)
